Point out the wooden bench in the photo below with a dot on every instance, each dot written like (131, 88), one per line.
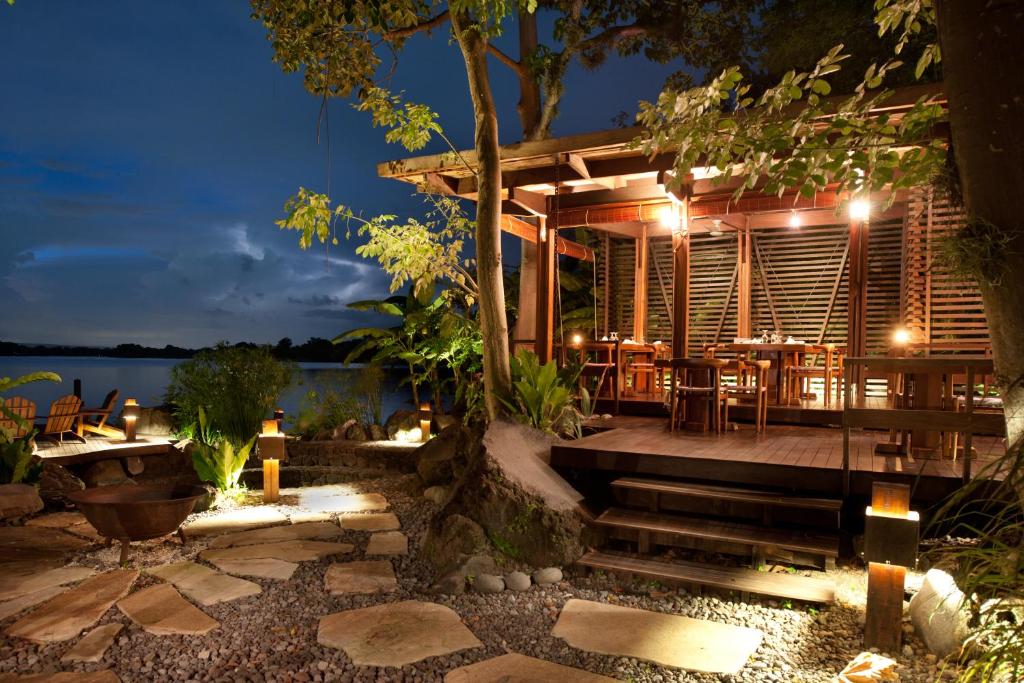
(714, 576)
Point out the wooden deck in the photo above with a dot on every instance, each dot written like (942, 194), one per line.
(100, 448)
(800, 459)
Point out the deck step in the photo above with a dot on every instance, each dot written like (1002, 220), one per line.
(713, 576)
(814, 543)
(737, 495)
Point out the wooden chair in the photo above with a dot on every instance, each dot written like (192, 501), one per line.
(734, 369)
(601, 367)
(635, 369)
(61, 420)
(798, 377)
(757, 388)
(23, 408)
(98, 423)
(695, 381)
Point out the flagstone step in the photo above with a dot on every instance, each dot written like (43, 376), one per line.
(204, 585)
(289, 551)
(66, 615)
(291, 532)
(715, 576)
(362, 576)
(517, 668)
(162, 611)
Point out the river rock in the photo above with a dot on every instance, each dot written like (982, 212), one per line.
(543, 577)
(18, 500)
(939, 613)
(517, 581)
(401, 420)
(488, 583)
(357, 433)
(377, 433)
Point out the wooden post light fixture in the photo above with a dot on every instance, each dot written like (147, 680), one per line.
(890, 547)
(425, 417)
(270, 447)
(130, 414)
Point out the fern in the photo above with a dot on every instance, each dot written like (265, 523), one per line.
(216, 458)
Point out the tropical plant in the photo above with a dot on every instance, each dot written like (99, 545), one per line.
(217, 458)
(8, 383)
(18, 464)
(237, 387)
(341, 396)
(541, 397)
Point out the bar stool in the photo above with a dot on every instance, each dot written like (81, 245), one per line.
(758, 390)
(696, 380)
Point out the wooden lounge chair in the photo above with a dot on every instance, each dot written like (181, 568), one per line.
(61, 420)
(97, 422)
(23, 408)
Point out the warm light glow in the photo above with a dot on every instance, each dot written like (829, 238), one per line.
(860, 209)
(794, 220)
(577, 339)
(667, 217)
(409, 435)
(271, 480)
(425, 417)
(270, 428)
(901, 336)
(130, 413)
(716, 230)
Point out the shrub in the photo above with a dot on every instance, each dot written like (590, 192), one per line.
(340, 397)
(237, 387)
(216, 458)
(540, 397)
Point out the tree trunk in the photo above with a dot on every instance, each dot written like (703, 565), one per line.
(980, 44)
(529, 87)
(493, 323)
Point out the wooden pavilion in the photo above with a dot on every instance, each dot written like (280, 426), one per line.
(694, 267)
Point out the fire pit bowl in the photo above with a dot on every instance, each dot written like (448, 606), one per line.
(137, 513)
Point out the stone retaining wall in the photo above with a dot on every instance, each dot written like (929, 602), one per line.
(370, 455)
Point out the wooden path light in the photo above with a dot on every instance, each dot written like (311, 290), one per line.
(890, 547)
(130, 413)
(271, 451)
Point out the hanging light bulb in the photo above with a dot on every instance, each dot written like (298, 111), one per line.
(667, 216)
(860, 210)
(794, 219)
(716, 229)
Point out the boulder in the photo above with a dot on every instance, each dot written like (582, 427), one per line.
(56, 482)
(357, 432)
(436, 494)
(341, 431)
(443, 422)
(524, 508)
(453, 540)
(403, 420)
(377, 433)
(517, 581)
(106, 473)
(488, 583)
(940, 614)
(158, 421)
(18, 500)
(442, 459)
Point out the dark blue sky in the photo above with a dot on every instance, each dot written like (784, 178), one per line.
(146, 149)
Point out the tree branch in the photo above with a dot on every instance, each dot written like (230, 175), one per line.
(427, 25)
(505, 59)
(612, 34)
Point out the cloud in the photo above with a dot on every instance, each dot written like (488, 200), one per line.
(315, 300)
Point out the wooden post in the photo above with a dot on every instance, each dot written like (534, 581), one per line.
(681, 280)
(526, 324)
(883, 625)
(856, 324)
(77, 390)
(640, 287)
(744, 282)
(547, 261)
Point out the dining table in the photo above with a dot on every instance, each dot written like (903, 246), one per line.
(781, 355)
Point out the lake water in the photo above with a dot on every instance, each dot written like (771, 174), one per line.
(146, 380)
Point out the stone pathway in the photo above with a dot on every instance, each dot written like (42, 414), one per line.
(388, 543)
(204, 585)
(363, 576)
(32, 548)
(68, 614)
(290, 551)
(234, 520)
(396, 634)
(666, 639)
(17, 605)
(93, 645)
(371, 521)
(516, 668)
(330, 499)
(258, 567)
(105, 676)
(19, 585)
(274, 534)
(162, 611)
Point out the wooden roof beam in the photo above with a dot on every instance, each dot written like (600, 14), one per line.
(528, 232)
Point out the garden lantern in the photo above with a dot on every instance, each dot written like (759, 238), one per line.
(425, 416)
(271, 450)
(130, 414)
(890, 547)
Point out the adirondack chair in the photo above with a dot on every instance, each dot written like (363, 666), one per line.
(61, 420)
(23, 408)
(94, 420)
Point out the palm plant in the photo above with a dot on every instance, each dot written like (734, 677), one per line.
(541, 397)
(16, 454)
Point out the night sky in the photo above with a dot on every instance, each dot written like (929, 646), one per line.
(146, 149)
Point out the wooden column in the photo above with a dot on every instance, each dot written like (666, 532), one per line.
(743, 283)
(526, 323)
(547, 261)
(856, 325)
(640, 287)
(681, 281)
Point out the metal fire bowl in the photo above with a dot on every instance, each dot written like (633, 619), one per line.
(139, 512)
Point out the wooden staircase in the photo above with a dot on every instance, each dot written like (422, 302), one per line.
(718, 519)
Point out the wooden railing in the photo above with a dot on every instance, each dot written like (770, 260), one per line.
(856, 414)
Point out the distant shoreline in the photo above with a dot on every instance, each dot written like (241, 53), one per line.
(314, 350)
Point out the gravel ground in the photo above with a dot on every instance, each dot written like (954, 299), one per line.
(272, 636)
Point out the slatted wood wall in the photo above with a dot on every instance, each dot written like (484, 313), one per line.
(802, 275)
(939, 306)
